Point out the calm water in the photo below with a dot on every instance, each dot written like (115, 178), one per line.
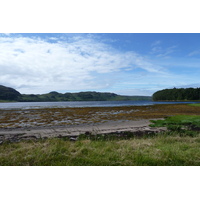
(73, 104)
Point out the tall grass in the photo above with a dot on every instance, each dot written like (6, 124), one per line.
(154, 151)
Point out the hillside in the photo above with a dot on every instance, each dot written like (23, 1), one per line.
(9, 94)
(81, 96)
(177, 94)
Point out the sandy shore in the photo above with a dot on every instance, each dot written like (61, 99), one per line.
(20, 124)
(75, 130)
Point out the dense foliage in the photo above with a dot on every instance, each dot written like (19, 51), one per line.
(177, 94)
(9, 94)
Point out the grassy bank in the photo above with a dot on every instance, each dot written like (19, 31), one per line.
(196, 104)
(168, 150)
(7, 101)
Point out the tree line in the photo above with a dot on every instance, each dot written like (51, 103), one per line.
(177, 94)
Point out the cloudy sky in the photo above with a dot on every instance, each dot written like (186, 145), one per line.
(127, 64)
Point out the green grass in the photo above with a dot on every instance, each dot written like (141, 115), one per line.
(7, 101)
(196, 104)
(183, 124)
(160, 150)
(179, 120)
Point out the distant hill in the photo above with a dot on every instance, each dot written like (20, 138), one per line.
(9, 94)
(81, 96)
(55, 96)
(177, 94)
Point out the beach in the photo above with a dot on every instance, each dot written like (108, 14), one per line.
(137, 127)
(27, 124)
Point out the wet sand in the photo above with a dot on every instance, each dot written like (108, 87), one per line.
(75, 130)
(60, 122)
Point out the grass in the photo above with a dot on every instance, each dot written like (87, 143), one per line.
(7, 101)
(160, 150)
(183, 124)
(196, 104)
(179, 120)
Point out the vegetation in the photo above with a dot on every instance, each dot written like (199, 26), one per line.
(158, 150)
(177, 94)
(9, 94)
(183, 124)
(178, 146)
(196, 104)
(81, 96)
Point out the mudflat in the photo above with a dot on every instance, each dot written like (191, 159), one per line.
(75, 130)
(60, 122)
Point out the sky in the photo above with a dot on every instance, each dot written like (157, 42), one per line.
(123, 63)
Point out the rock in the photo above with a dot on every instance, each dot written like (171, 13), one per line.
(73, 139)
(88, 133)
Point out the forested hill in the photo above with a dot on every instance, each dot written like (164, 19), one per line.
(177, 94)
(9, 94)
(81, 96)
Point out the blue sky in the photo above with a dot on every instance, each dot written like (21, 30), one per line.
(127, 64)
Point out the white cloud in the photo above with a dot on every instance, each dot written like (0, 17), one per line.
(35, 65)
(194, 85)
(167, 51)
(139, 92)
(5, 34)
(194, 53)
(156, 43)
(159, 51)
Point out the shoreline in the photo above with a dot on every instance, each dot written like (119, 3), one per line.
(119, 127)
(19, 124)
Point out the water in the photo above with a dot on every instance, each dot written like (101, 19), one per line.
(75, 104)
